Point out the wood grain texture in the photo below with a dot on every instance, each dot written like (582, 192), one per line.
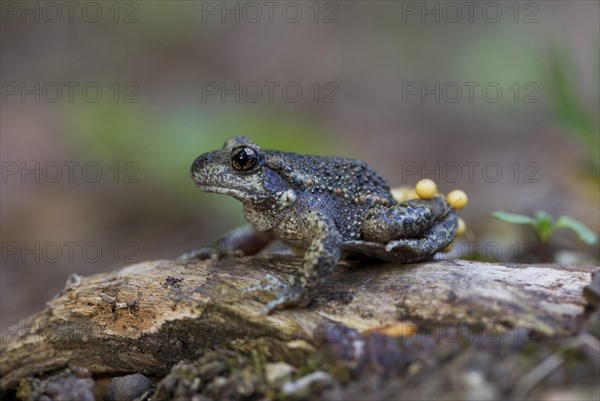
(146, 317)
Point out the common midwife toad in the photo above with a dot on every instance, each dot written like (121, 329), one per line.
(330, 207)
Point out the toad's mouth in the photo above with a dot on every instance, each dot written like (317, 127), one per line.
(216, 189)
(236, 193)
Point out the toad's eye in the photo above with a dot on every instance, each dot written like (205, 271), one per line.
(245, 158)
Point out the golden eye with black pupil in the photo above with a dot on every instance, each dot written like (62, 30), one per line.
(244, 158)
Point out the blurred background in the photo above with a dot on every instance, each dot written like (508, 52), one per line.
(106, 104)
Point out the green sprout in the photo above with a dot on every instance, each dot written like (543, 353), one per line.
(545, 225)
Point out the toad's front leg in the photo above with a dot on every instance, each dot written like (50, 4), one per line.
(245, 240)
(319, 261)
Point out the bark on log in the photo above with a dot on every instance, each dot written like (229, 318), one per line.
(146, 317)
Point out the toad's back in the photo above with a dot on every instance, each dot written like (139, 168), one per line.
(349, 178)
(348, 187)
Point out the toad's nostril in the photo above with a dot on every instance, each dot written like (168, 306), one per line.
(201, 162)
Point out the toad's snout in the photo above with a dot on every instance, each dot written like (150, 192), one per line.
(200, 164)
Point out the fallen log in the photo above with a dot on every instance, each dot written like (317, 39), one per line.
(147, 317)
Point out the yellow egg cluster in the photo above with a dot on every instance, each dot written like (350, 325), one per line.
(427, 189)
(457, 199)
(404, 193)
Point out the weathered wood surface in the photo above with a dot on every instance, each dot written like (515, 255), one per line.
(146, 317)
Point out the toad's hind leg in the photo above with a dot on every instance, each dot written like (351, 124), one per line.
(405, 220)
(411, 231)
(437, 238)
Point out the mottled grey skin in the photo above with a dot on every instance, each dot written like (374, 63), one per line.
(329, 207)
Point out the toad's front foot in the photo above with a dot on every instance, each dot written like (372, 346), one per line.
(285, 295)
